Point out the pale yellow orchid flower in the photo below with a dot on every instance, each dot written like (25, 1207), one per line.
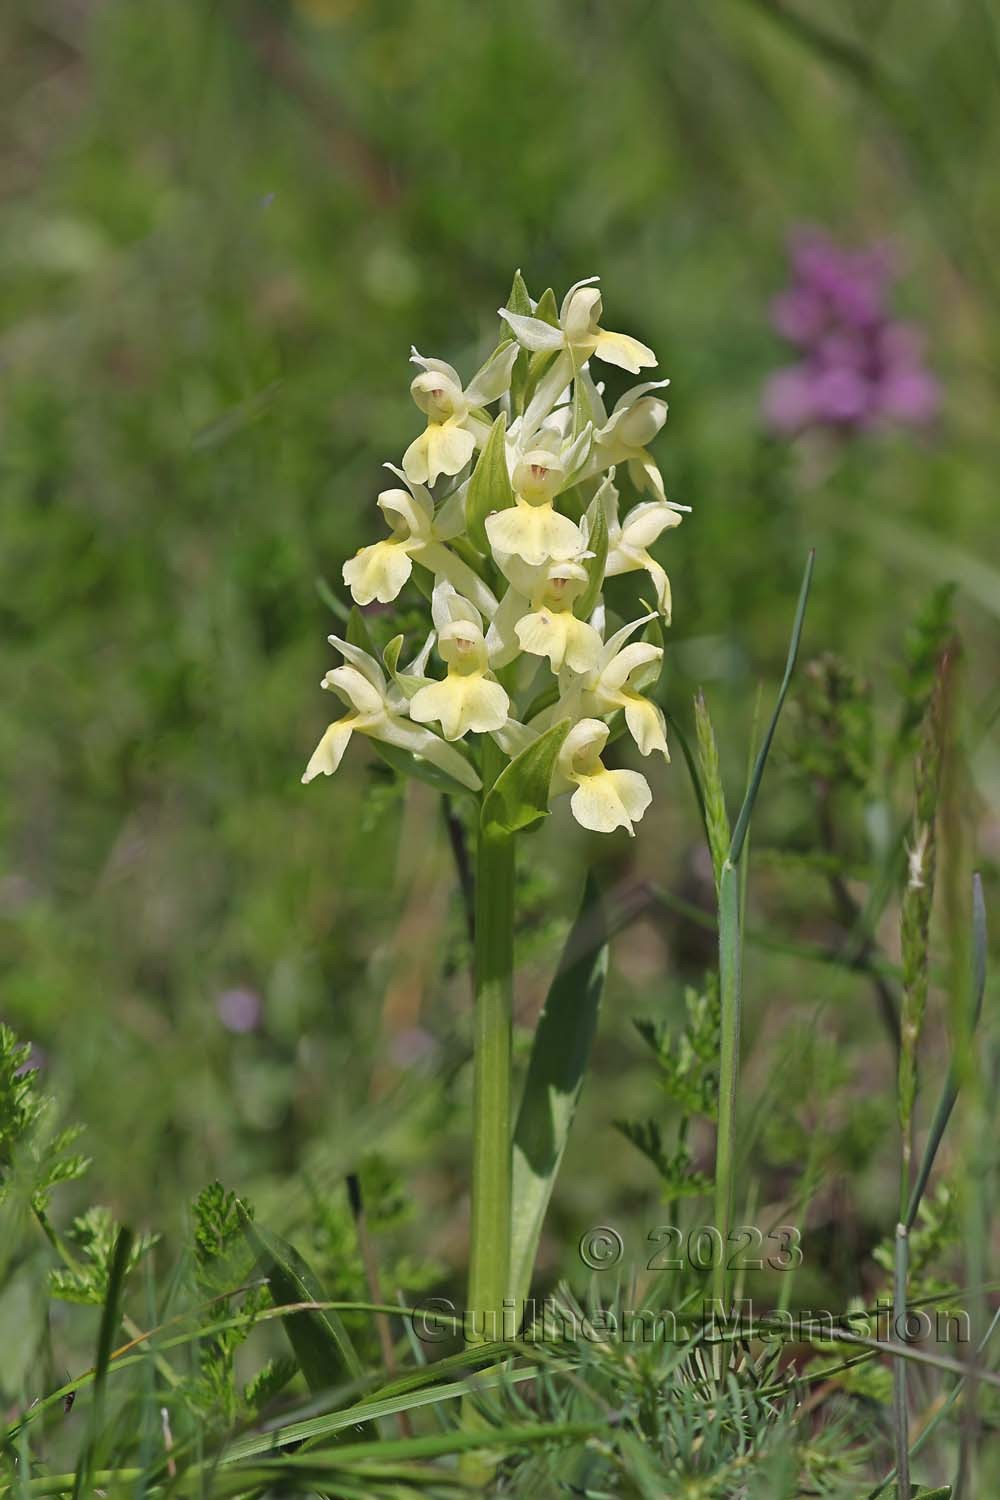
(469, 698)
(629, 542)
(604, 800)
(453, 430)
(377, 710)
(626, 435)
(616, 683)
(579, 333)
(380, 570)
(550, 628)
(532, 529)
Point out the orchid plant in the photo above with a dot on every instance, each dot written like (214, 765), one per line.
(513, 515)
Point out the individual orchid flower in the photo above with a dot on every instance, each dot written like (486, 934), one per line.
(626, 435)
(615, 681)
(629, 541)
(380, 570)
(454, 429)
(532, 529)
(579, 333)
(550, 628)
(603, 800)
(378, 711)
(470, 696)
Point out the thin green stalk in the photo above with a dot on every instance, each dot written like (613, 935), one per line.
(751, 757)
(730, 958)
(489, 1264)
(949, 1094)
(730, 995)
(940, 1412)
(900, 1411)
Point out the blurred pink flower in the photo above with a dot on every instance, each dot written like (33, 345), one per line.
(858, 367)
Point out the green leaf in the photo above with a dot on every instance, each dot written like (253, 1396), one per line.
(519, 798)
(518, 302)
(92, 1241)
(31, 1155)
(597, 543)
(653, 633)
(406, 764)
(548, 308)
(489, 487)
(110, 1320)
(559, 1059)
(538, 362)
(676, 1171)
(358, 633)
(390, 655)
(949, 1093)
(319, 1340)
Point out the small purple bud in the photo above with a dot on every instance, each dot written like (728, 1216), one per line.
(240, 1010)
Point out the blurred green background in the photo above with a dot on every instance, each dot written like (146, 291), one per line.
(224, 224)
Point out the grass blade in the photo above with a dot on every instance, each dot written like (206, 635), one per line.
(949, 1093)
(746, 811)
(731, 956)
(110, 1319)
(319, 1340)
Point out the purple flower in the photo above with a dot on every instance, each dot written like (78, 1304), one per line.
(857, 367)
(240, 1010)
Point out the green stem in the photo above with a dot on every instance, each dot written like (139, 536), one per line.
(489, 1263)
(731, 904)
(730, 997)
(900, 1410)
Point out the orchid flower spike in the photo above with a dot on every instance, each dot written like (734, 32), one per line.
(538, 508)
